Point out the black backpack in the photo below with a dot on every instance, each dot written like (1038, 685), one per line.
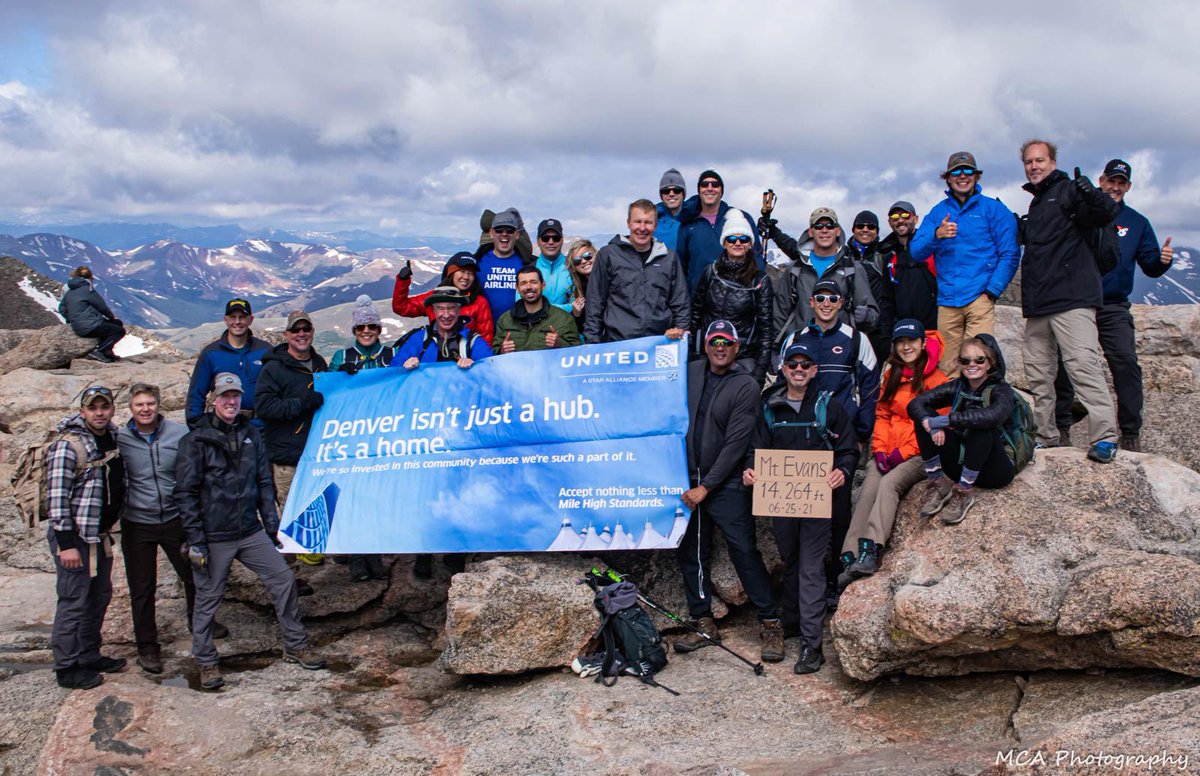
(632, 645)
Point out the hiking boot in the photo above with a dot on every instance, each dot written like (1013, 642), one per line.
(844, 578)
(961, 500)
(1064, 436)
(106, 665)
(96, 355)
(770, 633)
(935, 496)
(867, 562)
(210, 677)
(810, 661)
(358, 569)
(219, 630)
(150, 662)
(311, 559)
(78, 678)
(306, 658)
(692, 641)
(302, 588)
(1103, 452)
(1132, 443)
(423, 566)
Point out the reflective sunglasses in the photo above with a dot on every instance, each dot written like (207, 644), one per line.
(799, 364)
(831, 298)
(671, 190)
(899, 216)
(300, 330)
(709, 184)
(963, 360)
(961, 171)
(734, 239)
(581, 258)
(366, 327)
(825, 226)
(866, 226)
(551, 237)
(721, 342)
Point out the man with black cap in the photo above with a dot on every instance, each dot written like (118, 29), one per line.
(910, 283)
(553, 265)
(700, 234)
(827, 259)
(723, 408)
(791, 420)
(672, 210)
(237, 350)
(85, 490)
(499, 264)
(973, 240)
(446, 339)
(1139, 247)
(864, 246)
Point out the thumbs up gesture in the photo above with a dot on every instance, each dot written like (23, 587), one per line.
(1083, 184)
(508, 346)
(552, 338)
(946, 229)
(1168, 253)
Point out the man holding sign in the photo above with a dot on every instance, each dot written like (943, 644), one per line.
(797, 418)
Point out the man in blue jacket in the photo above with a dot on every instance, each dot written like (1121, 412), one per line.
(1139, 246)
(672, 210)
(236, 351)
(973, 240)
(699, 242)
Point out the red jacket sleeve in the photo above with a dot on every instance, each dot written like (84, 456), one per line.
(403, 305)
(481, 318)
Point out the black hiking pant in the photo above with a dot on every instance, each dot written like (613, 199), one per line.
(803, 546)
(83, 597)
(981, 450)
(1117, 340)
(109, 333)
(140, 543)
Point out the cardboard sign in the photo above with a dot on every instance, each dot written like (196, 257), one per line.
(793, 483)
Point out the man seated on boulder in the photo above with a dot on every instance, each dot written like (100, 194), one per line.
(533, 323)
(225, 493)
(447, 338)
(237, 350)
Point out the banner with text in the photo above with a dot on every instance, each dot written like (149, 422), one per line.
(571, 449)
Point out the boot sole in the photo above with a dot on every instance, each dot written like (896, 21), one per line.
(808, 668)
(685, 650)
(83, 686)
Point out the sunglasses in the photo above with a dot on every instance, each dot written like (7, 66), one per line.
(709, 184)
(504, 230)
(671, 190)
(734, 239)
(93, 392)
(961, 171)
(798, 364)
(581, 258)
(300, 330)
(824, 226)
(866, 226)
(551, 237)
(366, 327)
(831, 298)
(899, 216)
(963, 360)
(721, 342)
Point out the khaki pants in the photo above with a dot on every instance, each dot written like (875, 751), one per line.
(283, 476)
(878, 501)
(1074, 333)
(961, 323)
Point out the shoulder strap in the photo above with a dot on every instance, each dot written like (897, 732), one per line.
(957, 396)
(386, 355)
(821, 415)
(769, 414)
(987, 395)
(351, 355)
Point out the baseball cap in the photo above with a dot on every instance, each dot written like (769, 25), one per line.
(226, 382)
(827, 285)
(1119, 168)
(961, 159)
(797, 349)
(445, 294)
(94, 392)
(237, 306)
(908, 327)
(821, 213)
(549, 225)
(901, 204)
(463, 260)
(720, 329)
(507, 218)
(295, 316)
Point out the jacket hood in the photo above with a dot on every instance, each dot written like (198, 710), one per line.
(991, 342)
(78, 282)
(76, 423)
(933, 351)
(806, 246)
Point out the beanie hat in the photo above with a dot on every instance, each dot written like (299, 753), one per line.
(735, 224)
(364, 311)
(710, 174)
(671, 178)
(867, 217)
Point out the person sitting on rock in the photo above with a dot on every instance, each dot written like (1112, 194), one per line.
(965, 448)
(225, 493)
(910, 369)
(90, 316)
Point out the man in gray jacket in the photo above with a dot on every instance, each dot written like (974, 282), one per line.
(150, 520)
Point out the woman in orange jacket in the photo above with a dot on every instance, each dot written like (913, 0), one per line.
(911, 368)
(461, 272)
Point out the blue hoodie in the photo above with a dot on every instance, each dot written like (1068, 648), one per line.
(699, 242)
(1139, 245)
(982, 258)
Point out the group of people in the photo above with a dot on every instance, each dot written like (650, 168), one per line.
(878, 350)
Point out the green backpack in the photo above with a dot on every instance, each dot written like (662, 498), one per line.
(1019, 431)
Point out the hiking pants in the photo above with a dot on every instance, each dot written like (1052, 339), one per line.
(1074, 333)
(257, 553)
(981, 450)
(961, 323)
(109, 333)
(878, 501)
(803, 547)
(139, 544)
(83, 597)
(1117, 340)
(728, 508)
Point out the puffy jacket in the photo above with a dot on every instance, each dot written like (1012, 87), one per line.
(366, 358)
(528, 330)
(981, 258)
(717, 450)
(423, 344)
(150, 471)
(699, 242)
(847, 370)
(748, 308)
(667, 230)
(477, 309)
(909, 290)
(893, 428)
(83, 308)
(971, 414)
(285, 401)
(219, 356)
(793, 289)
(1139, 246)
(1058, 272)
(633, 295)
(560, 286)
(790, 431)
(221, 493)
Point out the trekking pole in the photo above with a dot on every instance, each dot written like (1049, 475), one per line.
(768, 205)
(617, 576)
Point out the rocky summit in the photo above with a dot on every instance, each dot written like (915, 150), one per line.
(1056, 629)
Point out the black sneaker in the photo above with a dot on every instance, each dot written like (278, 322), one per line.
(810, 661)
(220, 631)
(106, 665)
(78, 678)
(150, 662)
(1132, 443)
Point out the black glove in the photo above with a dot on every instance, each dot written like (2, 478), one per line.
(274, 537)
(405, 272)
(349, 367)
(768, 226)
(1083, 184)
(315, 400)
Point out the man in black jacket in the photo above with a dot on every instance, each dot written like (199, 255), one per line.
(226, 500)
(791, 421)
(723, 408)
(909, 288)
(1060, 294)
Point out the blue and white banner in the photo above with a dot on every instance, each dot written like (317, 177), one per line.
(572, 449)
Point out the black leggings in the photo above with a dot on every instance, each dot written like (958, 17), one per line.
(978, 449)
(109, 333)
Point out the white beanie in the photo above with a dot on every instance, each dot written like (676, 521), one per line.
(736, 223)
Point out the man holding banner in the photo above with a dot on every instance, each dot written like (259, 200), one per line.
(723, 405)
(797, 418)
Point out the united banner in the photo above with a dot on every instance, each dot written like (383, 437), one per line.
(569, 449)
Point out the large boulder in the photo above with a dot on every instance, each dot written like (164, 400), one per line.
(53, 347)
(1074, 565)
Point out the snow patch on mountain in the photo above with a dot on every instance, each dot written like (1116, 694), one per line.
(44, 299)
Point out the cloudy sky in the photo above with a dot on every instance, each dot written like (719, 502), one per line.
(410, 117)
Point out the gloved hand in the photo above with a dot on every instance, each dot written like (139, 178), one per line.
(860, 315)
(939, 421)
(274, 537)
(315, 400)
(405, 272)
(881, 463)
(894, 459)
(1083, 184)
(349, 367)
(198, 557)
(768, 226)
